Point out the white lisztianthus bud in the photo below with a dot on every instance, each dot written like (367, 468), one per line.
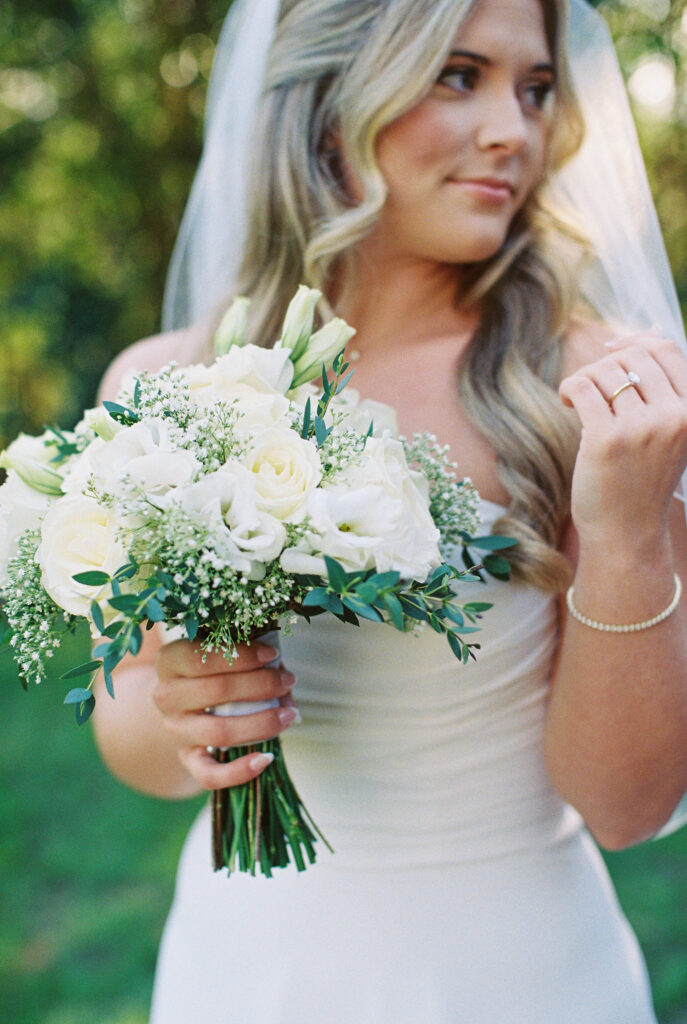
(323, 346)
(298, 321)
(232, 327)
(101, 423)
(30, 458)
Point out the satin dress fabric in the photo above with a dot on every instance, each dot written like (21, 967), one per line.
(462, 889)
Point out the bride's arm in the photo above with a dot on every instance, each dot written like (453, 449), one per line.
(154, 734)
(616, 736)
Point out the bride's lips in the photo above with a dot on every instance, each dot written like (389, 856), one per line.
(489, 190)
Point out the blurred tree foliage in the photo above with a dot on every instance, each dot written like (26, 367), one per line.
(100, 125)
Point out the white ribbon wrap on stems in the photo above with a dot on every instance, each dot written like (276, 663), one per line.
(238, 708)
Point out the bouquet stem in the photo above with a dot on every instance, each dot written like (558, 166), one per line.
(263, 823)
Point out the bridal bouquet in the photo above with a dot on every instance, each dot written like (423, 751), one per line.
(220, 499)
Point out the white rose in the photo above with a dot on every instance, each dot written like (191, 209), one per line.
(257, 408)
(206, 384)
(78, 535)
(21, 508)
(143, 452)
(243, 536)
(265, 369)
(31, 458)
(374, 516)
(286, 469)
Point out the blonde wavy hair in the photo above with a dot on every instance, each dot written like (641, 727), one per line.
(344, 69)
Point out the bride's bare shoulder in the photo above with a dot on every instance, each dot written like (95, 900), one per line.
(151, 354)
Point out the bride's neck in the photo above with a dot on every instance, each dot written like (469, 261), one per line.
(401, 299)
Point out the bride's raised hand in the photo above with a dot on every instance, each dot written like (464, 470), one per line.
(632, 404)
(189, 684)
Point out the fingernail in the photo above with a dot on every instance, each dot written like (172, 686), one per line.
(287, 716)
(259, 761)
(287, 679)
(265, 653)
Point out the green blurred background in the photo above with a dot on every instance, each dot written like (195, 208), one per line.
(101, 107)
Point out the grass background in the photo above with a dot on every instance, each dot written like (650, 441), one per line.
(87, 870)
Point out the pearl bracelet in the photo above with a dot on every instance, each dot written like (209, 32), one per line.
(633, 627)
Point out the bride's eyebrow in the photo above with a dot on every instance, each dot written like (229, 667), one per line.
(479, 58)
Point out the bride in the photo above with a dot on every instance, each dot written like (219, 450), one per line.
(422, 161)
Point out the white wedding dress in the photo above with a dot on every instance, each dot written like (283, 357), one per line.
(462, 890)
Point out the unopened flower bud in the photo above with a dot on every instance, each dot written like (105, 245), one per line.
(101, 423)
(29, 457)
(323, 346)
(298, 321)
(232, 327)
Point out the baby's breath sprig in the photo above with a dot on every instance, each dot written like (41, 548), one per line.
(35, 621)
(453, 503)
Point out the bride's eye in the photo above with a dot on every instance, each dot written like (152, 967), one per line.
(536, 94)
(459, 79)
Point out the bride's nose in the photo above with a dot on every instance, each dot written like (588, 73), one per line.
(502, 125)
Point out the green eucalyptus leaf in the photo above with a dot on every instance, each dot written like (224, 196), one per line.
(110, 685)
(191, 625)
(456, 645)
(497, 566)
(81, 670)
(126, 572)
(492, 542)
(97, 616)
(315, 598)
(454, 613)
(127, 603)
(93, 578)
(478, 606)
(321, 431)
(349, 617)
(414, 606)
(343, 382)
(367, 592)
(361, 609)
(305, 431)
(121, 414)
(154, 611)
(135, 640)
(333, 604)
(383, 580)
(113, 630)
(393, 606)
(84, 710)
(336, 574)
(77, 696)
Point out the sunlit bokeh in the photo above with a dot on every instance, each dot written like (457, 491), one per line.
(652, 84)
(659, 10)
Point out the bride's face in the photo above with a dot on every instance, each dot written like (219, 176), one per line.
(462, 162)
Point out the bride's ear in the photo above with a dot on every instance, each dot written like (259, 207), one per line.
(337, 167)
